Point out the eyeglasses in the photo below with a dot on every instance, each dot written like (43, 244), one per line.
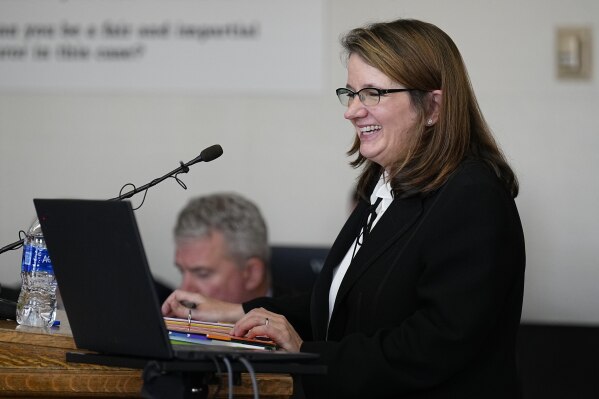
(368, 95)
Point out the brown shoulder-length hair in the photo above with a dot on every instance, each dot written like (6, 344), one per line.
(421, 56)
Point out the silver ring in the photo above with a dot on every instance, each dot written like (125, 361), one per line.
(266, 322)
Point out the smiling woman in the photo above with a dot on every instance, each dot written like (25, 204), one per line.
(443, 135)
(421, 293)
(383, 118)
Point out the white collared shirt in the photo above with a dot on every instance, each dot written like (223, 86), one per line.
(382, 190)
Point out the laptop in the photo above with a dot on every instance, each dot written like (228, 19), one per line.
(107, 287)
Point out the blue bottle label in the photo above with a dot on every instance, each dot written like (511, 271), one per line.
(36, 260)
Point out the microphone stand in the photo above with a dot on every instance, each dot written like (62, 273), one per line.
(184, 168)
(14, 245)
(207, 155)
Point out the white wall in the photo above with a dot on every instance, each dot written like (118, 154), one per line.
(287, 152)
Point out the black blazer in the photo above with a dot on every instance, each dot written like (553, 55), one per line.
(430, 305)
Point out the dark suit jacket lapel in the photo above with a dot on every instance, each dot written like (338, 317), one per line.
(401, 214)
(320, 294)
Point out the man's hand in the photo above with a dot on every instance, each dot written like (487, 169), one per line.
(180, 303)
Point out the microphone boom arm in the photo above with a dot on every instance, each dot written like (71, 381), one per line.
(14, 245)
(181, 169)
(207, 155)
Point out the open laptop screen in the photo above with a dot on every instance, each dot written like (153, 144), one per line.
(103, 276)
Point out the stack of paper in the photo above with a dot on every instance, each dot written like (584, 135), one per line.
(207, 333)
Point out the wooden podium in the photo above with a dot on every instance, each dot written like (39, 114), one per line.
(33, 364)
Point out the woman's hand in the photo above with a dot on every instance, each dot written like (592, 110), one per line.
(179, 303)
(261, 322)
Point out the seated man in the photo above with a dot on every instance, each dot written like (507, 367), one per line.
(222, 248)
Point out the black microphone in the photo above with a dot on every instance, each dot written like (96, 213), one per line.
(208, 154)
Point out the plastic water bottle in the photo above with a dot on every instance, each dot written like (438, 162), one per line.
(36, 306)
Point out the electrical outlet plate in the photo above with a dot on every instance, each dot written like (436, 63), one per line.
(573, 52)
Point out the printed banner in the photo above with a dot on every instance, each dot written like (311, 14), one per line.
(215, 46)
